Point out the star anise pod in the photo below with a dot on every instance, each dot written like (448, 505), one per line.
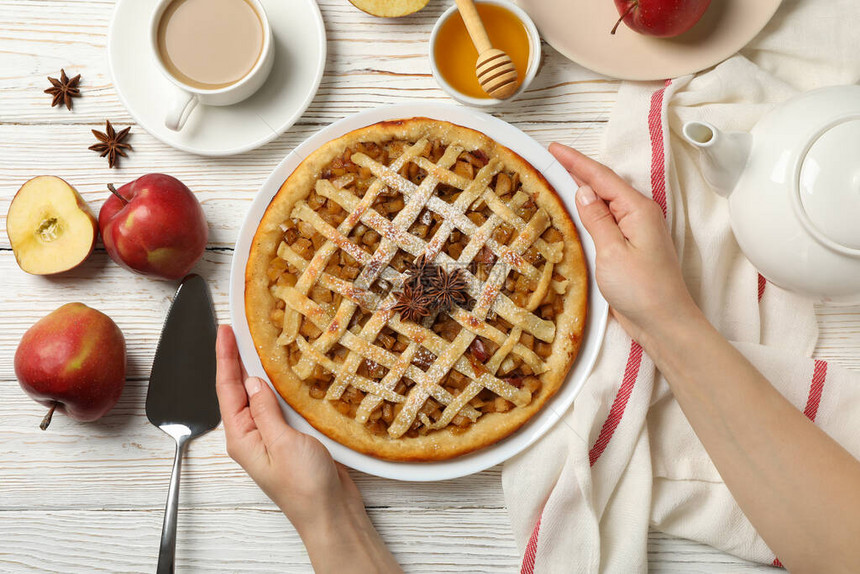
(419, 272)
(447, 289)
(64, 89)
(111, 143)
(412, 304)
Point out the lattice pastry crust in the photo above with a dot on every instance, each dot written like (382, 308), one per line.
(335, 251)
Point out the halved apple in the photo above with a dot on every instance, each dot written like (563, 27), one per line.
(389, 8)
(50, 227)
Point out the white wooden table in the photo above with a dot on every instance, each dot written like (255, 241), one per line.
(89, 497)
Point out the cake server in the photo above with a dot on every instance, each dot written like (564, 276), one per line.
(181, 399)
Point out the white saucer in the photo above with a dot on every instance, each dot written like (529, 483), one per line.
(300, 53)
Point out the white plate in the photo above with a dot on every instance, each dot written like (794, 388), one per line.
(579, 29)
(540, 158)
(300, 53)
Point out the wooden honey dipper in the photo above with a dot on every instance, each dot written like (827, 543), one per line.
(494, 68)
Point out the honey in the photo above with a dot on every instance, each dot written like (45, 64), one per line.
(456, 55)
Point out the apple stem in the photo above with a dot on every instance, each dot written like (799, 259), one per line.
(116, 193)
(623, 16)
(47, 420)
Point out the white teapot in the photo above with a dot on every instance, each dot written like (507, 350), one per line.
(793, 186)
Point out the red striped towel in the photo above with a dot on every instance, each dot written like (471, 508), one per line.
(624, 458)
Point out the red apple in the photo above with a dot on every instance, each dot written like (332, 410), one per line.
(155, 226)
(661, 18)
(73, 361)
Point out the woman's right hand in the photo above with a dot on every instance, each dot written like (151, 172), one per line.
(810, 515)
(637, 266)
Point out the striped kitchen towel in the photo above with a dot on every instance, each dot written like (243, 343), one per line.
(624, 459)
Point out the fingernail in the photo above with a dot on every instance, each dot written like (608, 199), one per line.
(252, 386)
(585, 195)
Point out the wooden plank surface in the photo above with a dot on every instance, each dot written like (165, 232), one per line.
(89, 497)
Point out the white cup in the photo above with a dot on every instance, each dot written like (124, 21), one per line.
(190, 96)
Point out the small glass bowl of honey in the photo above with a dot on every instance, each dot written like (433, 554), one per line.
(453, 56)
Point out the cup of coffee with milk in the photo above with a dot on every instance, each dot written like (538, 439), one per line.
(217, 52)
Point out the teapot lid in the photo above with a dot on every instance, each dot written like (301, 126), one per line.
(829, 184)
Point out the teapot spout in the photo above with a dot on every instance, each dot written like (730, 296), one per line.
(724, 154)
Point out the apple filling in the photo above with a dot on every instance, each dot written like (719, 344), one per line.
(518, 366)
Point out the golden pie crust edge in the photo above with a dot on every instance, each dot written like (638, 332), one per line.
(438, 444)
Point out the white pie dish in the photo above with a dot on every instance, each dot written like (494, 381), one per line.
(480, 460)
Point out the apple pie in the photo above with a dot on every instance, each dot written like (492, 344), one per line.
(415, 290)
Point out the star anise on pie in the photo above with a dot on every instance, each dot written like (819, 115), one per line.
(412, 304)
(419, 272)
(64, 89)
(447, 289)
(111, 143)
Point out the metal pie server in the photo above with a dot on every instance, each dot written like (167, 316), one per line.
(181, 399)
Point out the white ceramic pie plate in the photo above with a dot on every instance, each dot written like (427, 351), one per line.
(597, 306)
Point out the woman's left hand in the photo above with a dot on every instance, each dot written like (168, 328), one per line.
(295, 470)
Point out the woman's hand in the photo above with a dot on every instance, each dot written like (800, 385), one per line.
(809, 514)
(295, 471)
(637, 267)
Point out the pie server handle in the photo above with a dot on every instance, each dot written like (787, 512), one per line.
(167, 552)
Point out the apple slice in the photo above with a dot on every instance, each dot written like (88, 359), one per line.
(389, 8)
(50, 227)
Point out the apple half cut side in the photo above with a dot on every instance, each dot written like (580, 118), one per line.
(50, 227)
(389, 8)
